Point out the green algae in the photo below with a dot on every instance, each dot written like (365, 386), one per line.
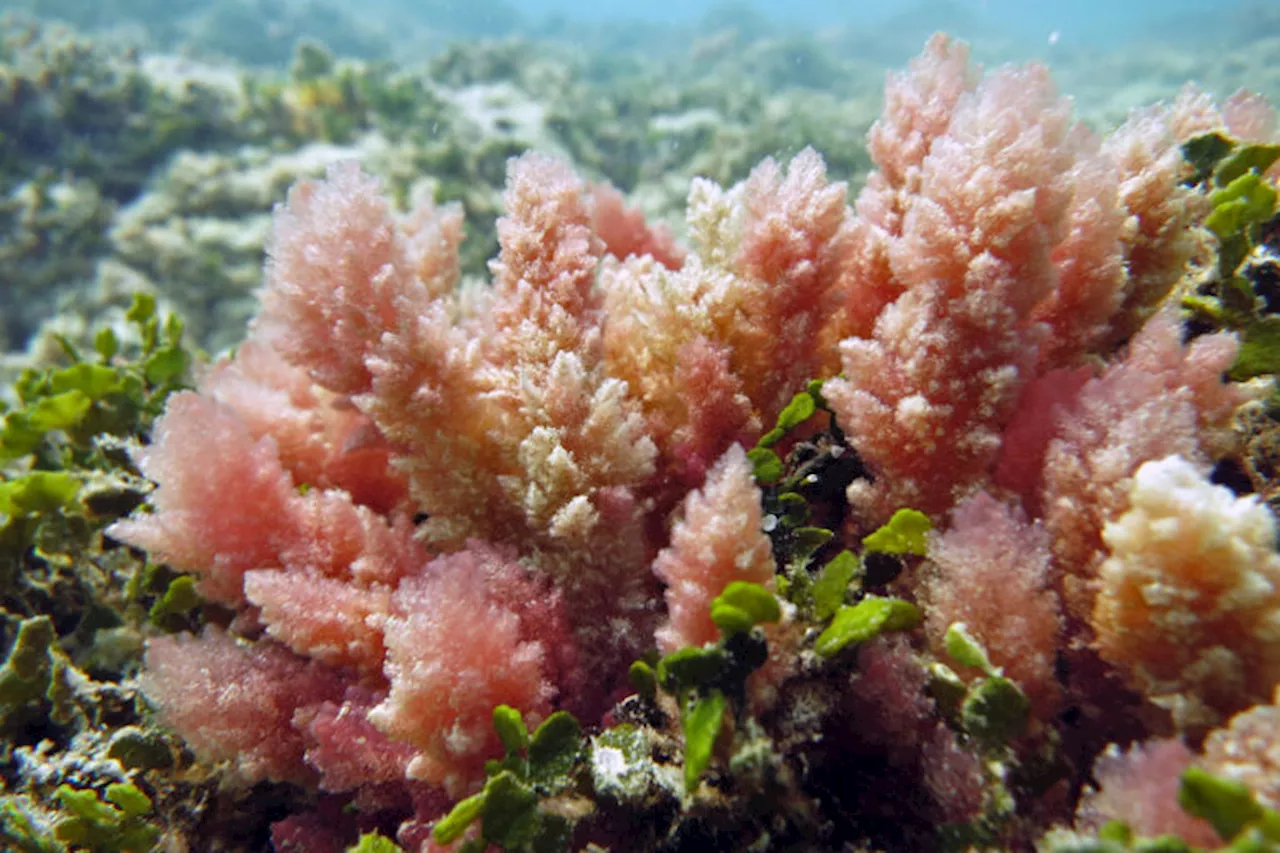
(535, 767)
(905, 533)
(869, 618)
(1243, 205)
(371, 842)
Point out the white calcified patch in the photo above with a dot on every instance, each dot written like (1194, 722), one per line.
(620, 764)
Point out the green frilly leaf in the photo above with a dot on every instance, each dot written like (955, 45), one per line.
(966, 650)
(833, 582)
(869, 618)
(995, 711)
(1228, 805)
(372, 842)
(766, 465)
(905, 533)
(554, 746)
(744, 605)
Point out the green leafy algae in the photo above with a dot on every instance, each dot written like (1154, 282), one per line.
(701, 721)
(869, 618)
(742, 606)
(832, 585)
(536, 766)
(112, 823)
(372, 842)
(904, 533)
(1243, 206)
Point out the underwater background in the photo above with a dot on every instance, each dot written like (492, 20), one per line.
(144, 143)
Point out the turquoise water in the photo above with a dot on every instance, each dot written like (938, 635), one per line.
(1085, 22)
(1021, 28)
